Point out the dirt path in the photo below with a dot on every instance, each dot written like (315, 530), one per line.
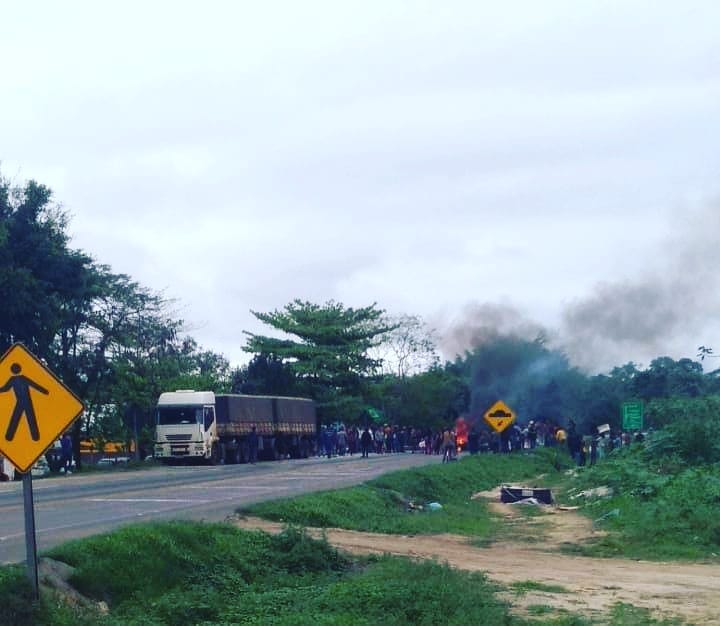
(688, 591)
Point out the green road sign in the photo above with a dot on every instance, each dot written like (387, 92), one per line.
(632, 413)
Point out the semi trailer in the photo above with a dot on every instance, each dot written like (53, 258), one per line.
(219, 428)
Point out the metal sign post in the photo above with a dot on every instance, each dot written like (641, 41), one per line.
(30, 544)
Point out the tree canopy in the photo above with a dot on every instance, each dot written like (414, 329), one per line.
(327, 349)
(115, 343)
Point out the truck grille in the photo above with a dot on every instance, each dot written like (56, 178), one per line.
(178, 437)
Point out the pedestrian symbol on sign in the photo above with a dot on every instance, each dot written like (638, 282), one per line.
(21, 386)
(35, 407)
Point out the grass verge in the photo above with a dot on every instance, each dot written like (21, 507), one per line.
(678, 503)
(184, 573)
(381, 505)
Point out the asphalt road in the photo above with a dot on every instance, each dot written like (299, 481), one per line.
(69, 507)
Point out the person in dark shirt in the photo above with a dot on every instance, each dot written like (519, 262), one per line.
(365, 442)
(66, 447)
(253, 445)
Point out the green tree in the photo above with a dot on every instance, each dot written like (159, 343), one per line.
(667, 378)
(113, 342)
(40, 274)
(429, 399)
(327, 347)
(265, 375)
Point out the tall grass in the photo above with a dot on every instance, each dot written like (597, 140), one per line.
(184, 573)
(661, 508)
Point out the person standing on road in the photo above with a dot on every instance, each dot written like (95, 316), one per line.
(448, 443)
(532, 434)
(365, 442)
(574, 443)
(66, 456)
(352, 437)
(253, 445)
(327, 442)
(341, 442)
(379, 440)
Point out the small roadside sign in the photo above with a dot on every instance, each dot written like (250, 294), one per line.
(499, 416)
(35, 407)
(632, 414)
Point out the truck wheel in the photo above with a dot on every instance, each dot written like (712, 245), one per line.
(215, 454)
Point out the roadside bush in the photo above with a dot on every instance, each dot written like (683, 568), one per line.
(16, 605)
(691, 429)
(146, 561)
(297, 552)
(661, 508)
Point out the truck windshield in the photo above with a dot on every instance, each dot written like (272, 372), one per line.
(178, 415)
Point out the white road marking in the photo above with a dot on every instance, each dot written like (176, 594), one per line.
(183, 500)
(263, 487)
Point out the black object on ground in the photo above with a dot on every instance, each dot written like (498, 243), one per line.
(510, 494)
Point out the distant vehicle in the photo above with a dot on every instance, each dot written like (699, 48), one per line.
(53, 456)
(41, 468)
(8, 472)
(112, 461)
(204, 426)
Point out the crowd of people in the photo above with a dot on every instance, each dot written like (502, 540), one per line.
(584, 449)
(339, 441)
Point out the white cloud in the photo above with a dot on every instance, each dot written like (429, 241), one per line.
(421, 155)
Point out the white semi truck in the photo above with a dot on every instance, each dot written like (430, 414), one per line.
(202, 425)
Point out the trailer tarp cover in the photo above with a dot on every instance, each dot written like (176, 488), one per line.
(237, 414)
(243, 409)
(295, 410)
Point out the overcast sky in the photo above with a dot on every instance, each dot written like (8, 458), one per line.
(557, 161)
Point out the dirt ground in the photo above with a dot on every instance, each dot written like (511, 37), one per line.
(591, 586)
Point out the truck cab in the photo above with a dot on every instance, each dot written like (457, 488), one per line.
(185, 426)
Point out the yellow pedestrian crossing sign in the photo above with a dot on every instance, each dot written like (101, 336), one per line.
(499, 416)
(35, 407)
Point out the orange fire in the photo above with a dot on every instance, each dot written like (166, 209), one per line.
(461, 433)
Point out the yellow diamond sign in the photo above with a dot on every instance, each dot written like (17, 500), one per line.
(35, 407)
(499, 416)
